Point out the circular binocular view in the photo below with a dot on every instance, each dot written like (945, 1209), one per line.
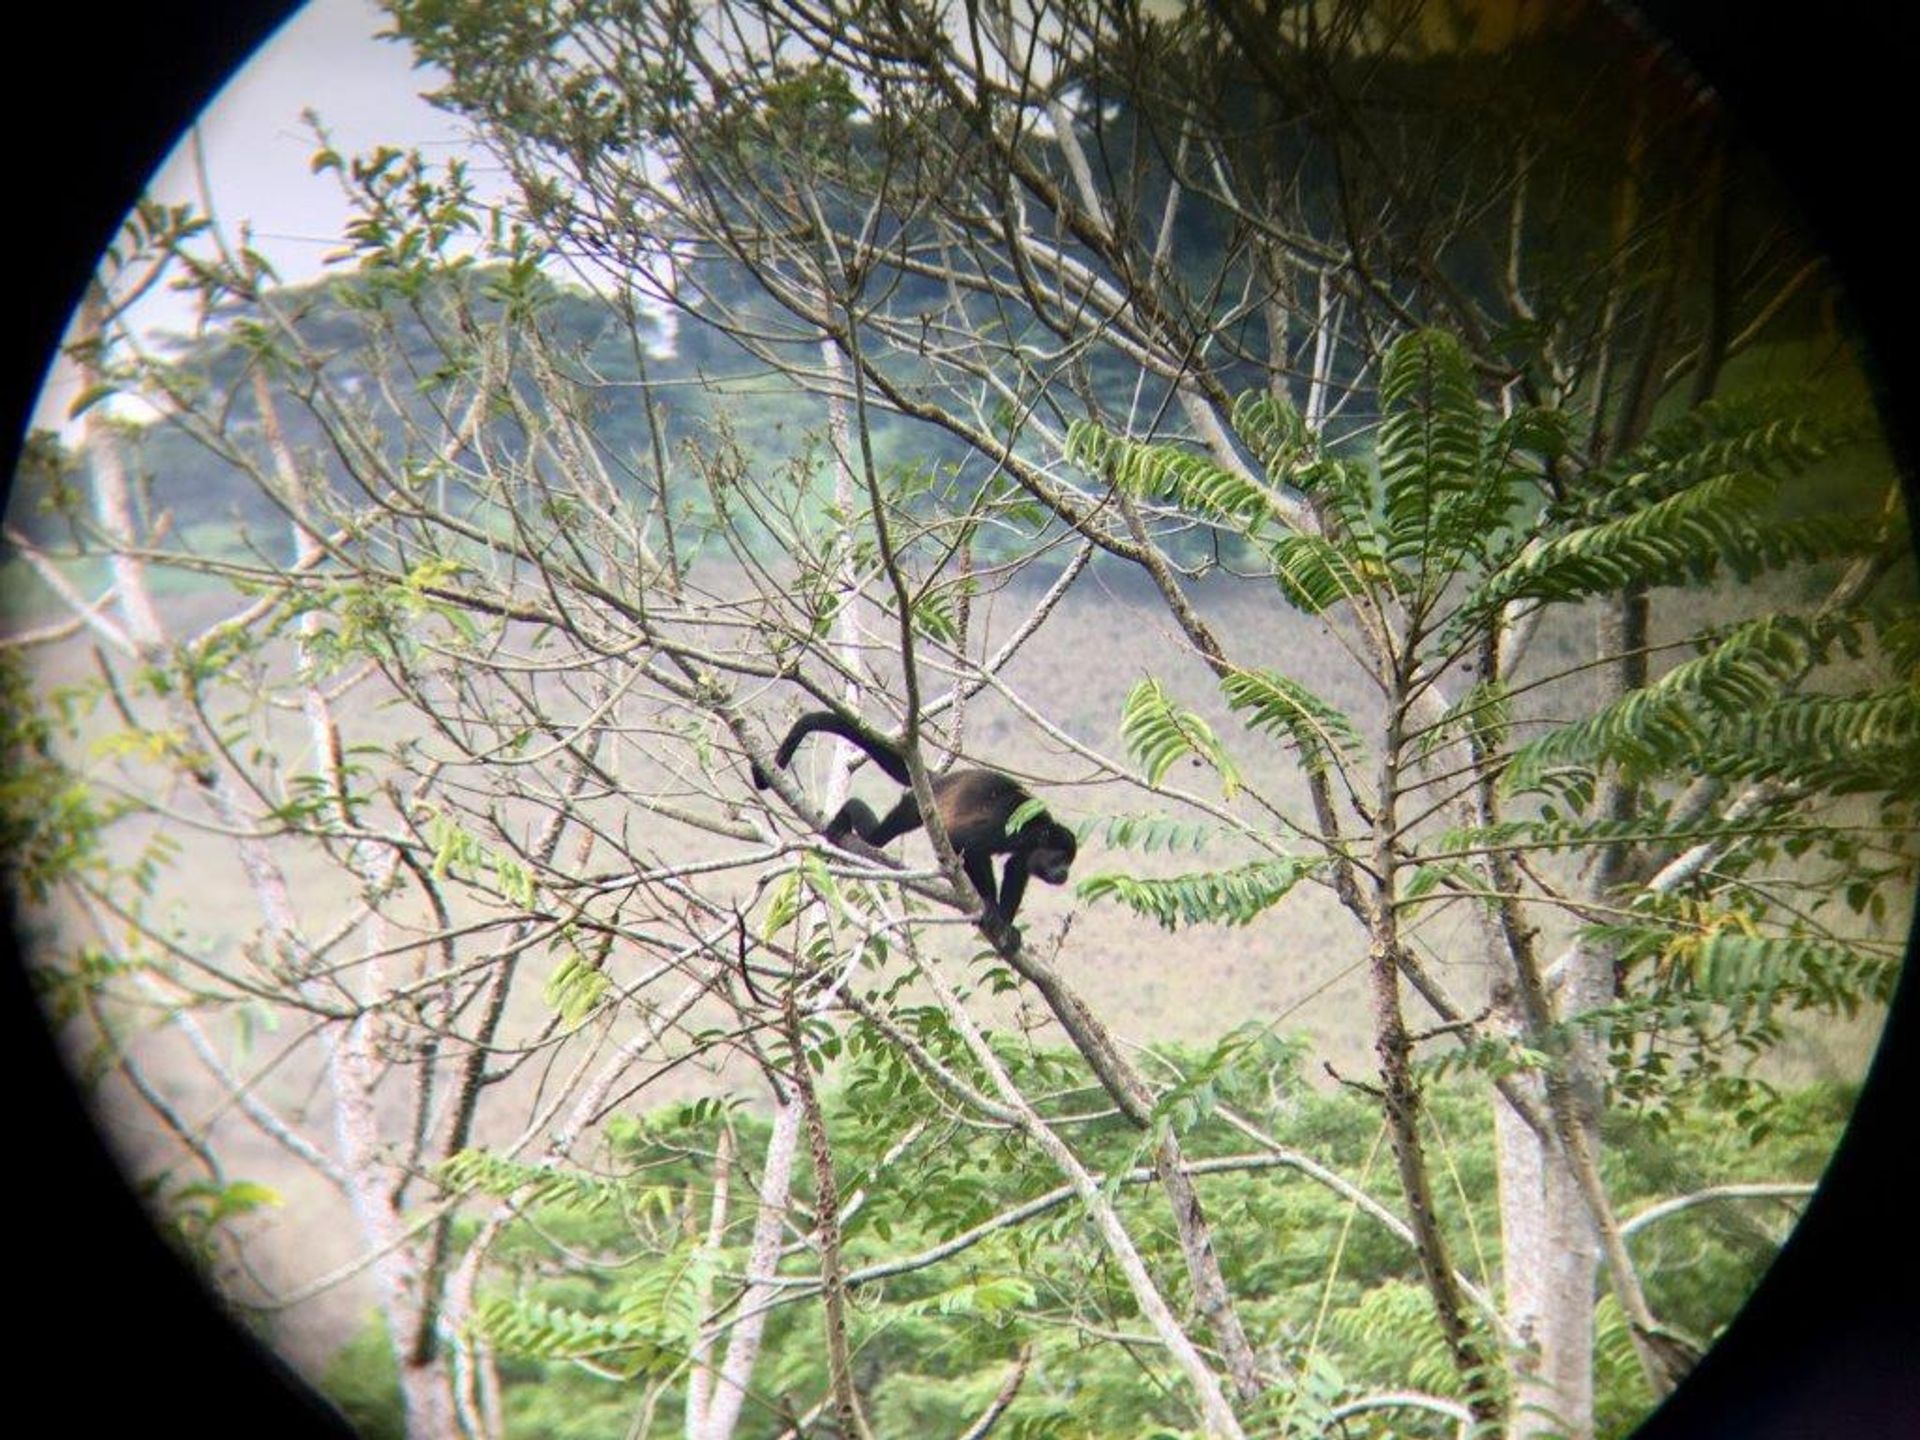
(883, 718)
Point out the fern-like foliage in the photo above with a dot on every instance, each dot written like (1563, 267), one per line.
(1147, 833)
(1159, 733)
(1712, 980)
(1550, 832)
(1344, 491)
(1175, 475)
(1275, 432)
(1316, 574)
(1271, 702)
(1771, 431)
(1429, 451)
(1795, 970)
(1679, 538)
(1212, 897)
(1723, 523)
(990, 1297)
(479, 1171)
(1459, 528)
(666, 1296)
(518, 1325)
(1729, 700)
(1866, 743)
(1442, 487)
(1395, 1319)
(1733, 713)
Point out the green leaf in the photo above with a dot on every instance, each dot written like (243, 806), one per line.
(1022, 813)
(1271, 702)
(1315, 573)
(470, 1170)
(90, 397)
(1429, 451)
(1807, 974)
(1159, 734)
(517, 1325)
(576, 987)
(1212, 897)
(1724, 522)
(1168, 473)
(1147, 832)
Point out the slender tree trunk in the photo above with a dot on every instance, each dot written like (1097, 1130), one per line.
(763, 1260)
(826, 1205)
(1549, 1253)
(424, 1389)
(1399, 1089)
(407, 1272)
(353, 1065)
(700, 1365)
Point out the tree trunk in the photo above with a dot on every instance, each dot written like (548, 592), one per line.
(763, 1259)
(1549, 1255)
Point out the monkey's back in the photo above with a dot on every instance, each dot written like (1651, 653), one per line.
(975, 806)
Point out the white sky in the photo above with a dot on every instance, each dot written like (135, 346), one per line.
(257, 148)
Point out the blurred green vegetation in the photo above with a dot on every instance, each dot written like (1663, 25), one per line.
(1315, 1277)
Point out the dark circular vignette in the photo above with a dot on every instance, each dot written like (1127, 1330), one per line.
(1828, 1345)
(117, 1329)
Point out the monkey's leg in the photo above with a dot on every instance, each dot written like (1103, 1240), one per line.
(901, 820)
(853, 818)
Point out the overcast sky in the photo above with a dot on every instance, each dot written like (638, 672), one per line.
(257, 147)
(365, 90)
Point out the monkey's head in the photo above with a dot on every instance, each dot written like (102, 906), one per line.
(1050, 850)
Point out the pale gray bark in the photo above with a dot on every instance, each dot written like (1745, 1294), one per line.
(1548, 1257)
(699, 1358)
(352, 1066)
(763, 1263)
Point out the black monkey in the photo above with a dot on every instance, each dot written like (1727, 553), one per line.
(974, 805)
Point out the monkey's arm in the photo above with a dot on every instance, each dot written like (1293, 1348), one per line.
(979, 867)
(1013, 885)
